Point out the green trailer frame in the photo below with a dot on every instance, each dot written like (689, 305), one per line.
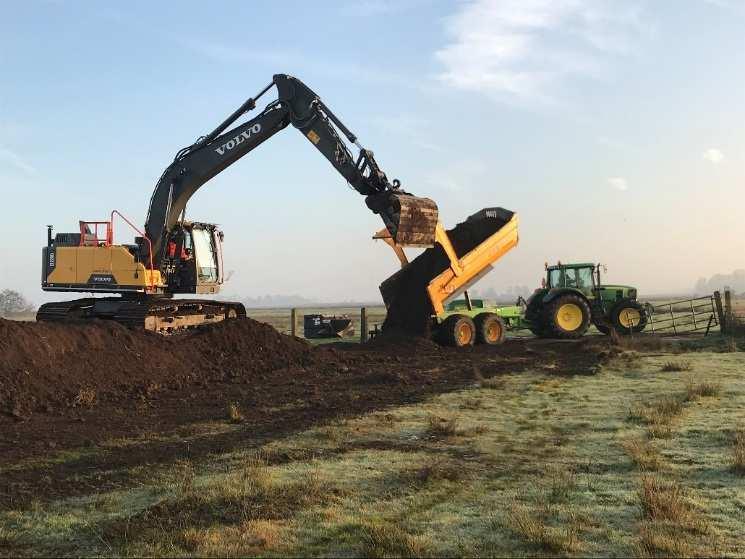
(512, 315)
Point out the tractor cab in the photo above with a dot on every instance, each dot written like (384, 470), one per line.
(581, 277)
(585, 278)
(572, 297)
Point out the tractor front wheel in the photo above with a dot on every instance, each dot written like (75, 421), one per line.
(457, 330)
(628, 316)
(566, 317)
(490, 329)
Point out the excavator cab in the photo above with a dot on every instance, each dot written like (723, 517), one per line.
(193, 258)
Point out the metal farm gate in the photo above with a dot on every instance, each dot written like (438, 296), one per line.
(702, 314)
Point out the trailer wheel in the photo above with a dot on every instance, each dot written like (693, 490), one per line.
(490, 329)
(628, 316)
(457, 330)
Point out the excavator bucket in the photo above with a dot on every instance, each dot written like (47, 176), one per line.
(413, 220)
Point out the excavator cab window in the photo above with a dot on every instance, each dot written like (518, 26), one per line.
(204, 253)
(187, 248)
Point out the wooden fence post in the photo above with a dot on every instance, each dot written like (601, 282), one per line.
(720, 312)
(728, 311)
(363, 325)
(293, 322)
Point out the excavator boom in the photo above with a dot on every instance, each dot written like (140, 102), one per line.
(410, 220)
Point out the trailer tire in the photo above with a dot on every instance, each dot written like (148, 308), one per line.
(567, 317)
(490, 329)
(457, 330)
(628, 317)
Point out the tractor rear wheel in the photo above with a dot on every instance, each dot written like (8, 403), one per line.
(490, 329)
(457, 330)
(628, 317)
(566, 317)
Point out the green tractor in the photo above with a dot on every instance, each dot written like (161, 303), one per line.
(573, 297)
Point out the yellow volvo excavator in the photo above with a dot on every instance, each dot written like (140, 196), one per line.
(172, 256)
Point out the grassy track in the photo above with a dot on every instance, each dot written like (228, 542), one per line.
(647, 457)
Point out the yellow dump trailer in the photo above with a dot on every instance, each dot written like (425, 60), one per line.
(416, 295)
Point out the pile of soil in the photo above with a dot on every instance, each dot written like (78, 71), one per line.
(46, 366)
(405, 292)
(81, 386)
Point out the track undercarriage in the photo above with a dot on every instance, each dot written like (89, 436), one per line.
(156, 314)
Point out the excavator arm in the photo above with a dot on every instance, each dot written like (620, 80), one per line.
(410, 220)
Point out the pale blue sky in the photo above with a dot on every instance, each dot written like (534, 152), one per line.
(615, 129)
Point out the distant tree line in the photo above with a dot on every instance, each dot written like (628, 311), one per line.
(510, 294)
(13, 302)
(735, 282)
(273, 301)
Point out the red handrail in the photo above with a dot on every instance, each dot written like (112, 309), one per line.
(149, 243)
(84, 225)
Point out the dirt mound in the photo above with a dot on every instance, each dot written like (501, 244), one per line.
(47, 366)
(245, 347)
(405, 292)
(400, 342)
(99, 383)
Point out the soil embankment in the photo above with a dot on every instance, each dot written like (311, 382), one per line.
(76, 386)
(47, 366)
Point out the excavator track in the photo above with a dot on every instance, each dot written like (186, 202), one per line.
(156, 314)
(61, 311)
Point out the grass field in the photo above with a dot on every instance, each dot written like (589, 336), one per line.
(645, 457)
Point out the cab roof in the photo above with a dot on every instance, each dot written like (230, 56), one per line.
(573, 265)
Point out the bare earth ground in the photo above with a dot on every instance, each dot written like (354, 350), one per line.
(398, 449)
